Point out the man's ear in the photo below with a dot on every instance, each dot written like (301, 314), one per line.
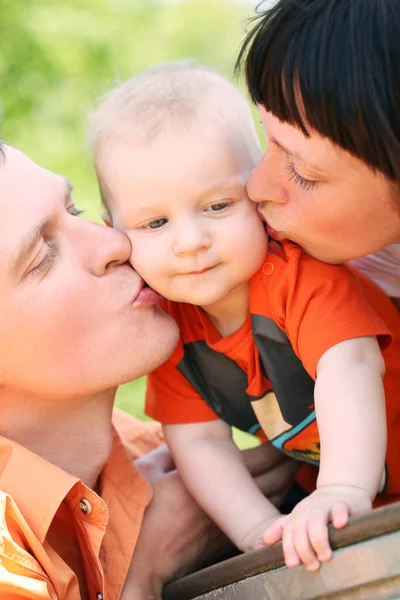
(107, 218)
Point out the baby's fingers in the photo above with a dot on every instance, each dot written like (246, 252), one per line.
(297, 545)
(274, 533)
(340, 514)
(318, 535)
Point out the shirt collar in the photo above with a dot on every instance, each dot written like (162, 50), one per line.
(37, 486)
(120, 474)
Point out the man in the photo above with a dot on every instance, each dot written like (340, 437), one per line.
(77, 518)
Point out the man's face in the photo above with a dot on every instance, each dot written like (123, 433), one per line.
(74, 318)
(181, 200)
(315, 193)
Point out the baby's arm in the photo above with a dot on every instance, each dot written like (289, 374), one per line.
(213, 470)
(351, 417)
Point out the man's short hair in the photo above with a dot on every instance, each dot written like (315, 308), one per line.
(3, 146)
(173, 95)
(332, 66)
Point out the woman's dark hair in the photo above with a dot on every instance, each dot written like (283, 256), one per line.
(332, 66)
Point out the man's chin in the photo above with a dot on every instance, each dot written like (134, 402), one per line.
(155, 347)
(168, 331)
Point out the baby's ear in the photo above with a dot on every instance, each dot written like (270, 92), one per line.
(107, 218)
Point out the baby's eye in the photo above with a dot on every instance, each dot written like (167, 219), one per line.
(156, 223)
(218, 206)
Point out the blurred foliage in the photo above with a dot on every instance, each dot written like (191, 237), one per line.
(57, 56)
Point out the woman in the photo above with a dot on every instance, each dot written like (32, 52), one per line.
(324, 74)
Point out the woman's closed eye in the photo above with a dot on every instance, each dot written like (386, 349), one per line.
(306, 184)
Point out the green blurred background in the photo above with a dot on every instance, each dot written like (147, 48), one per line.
(57, 56)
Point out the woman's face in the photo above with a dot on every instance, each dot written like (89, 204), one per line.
(315, 193)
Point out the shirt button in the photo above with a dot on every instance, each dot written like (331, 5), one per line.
(85, 507)
(268, 268)
(99, 596)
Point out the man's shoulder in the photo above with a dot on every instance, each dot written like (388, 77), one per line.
(139, 437)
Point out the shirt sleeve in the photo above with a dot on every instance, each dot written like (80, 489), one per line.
(138, 436)
(327, 304)
(172, 400)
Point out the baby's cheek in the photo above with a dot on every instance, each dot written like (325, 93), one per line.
(134, 258)
(147, 263)
(132, 261)
(137, 263)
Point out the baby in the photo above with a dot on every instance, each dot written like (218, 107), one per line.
(272, 341)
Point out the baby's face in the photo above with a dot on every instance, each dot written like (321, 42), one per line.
(181, 199)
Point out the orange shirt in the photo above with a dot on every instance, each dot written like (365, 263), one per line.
(262, 376)
(43, 508)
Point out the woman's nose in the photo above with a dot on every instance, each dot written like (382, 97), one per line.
(263, 184)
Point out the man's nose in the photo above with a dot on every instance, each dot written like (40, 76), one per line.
(105, 248)
(190, 238)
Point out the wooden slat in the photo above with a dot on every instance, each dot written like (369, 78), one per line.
(364, 571)
(376, 523)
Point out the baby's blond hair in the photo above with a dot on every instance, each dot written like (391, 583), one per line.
(171, 95)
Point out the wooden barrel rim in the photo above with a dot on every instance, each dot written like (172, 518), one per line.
(374, 524)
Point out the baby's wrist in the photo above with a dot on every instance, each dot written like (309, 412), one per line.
(254, 538)
(357, 491)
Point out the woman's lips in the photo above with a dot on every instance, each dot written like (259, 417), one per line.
(272, 232)
(260, 214)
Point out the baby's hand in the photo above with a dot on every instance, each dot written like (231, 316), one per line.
(304, 533)
(253, 540)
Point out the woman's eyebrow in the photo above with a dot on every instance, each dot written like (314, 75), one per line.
(294, 154)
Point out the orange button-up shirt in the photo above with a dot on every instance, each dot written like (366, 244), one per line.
(44, 510)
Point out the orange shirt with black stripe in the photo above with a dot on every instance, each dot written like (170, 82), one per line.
(261, 378)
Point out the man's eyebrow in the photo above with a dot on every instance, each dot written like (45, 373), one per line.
(68, 187)
(294, 154)
(27, 245)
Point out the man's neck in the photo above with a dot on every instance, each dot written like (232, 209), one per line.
(75, 435)
(229, 314)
